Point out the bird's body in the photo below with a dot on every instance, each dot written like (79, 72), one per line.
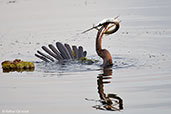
(62, 52)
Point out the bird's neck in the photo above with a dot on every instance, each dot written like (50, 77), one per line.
(103, 53)
(99, 39)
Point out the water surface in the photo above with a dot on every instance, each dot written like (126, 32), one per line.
(139, 82)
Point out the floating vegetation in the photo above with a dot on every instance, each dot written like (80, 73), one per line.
(17, 65)
(88, 61)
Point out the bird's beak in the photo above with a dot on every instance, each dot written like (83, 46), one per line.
(88, 30)
(116, 17)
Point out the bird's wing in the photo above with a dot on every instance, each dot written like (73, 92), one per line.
(60, 52)
(63, 50)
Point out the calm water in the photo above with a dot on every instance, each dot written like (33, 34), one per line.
(139, 82)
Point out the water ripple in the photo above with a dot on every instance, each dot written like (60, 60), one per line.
(75, 66)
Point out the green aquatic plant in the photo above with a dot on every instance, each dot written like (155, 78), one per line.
(87, 61)
(17, 65)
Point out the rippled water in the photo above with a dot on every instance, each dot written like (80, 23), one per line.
(76, 66)
(138, 83)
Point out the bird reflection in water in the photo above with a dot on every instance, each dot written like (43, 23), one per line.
(110, 102)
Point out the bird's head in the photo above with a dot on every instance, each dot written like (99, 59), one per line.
(113, 25)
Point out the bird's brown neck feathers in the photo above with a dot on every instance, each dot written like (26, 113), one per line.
(99, 39)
